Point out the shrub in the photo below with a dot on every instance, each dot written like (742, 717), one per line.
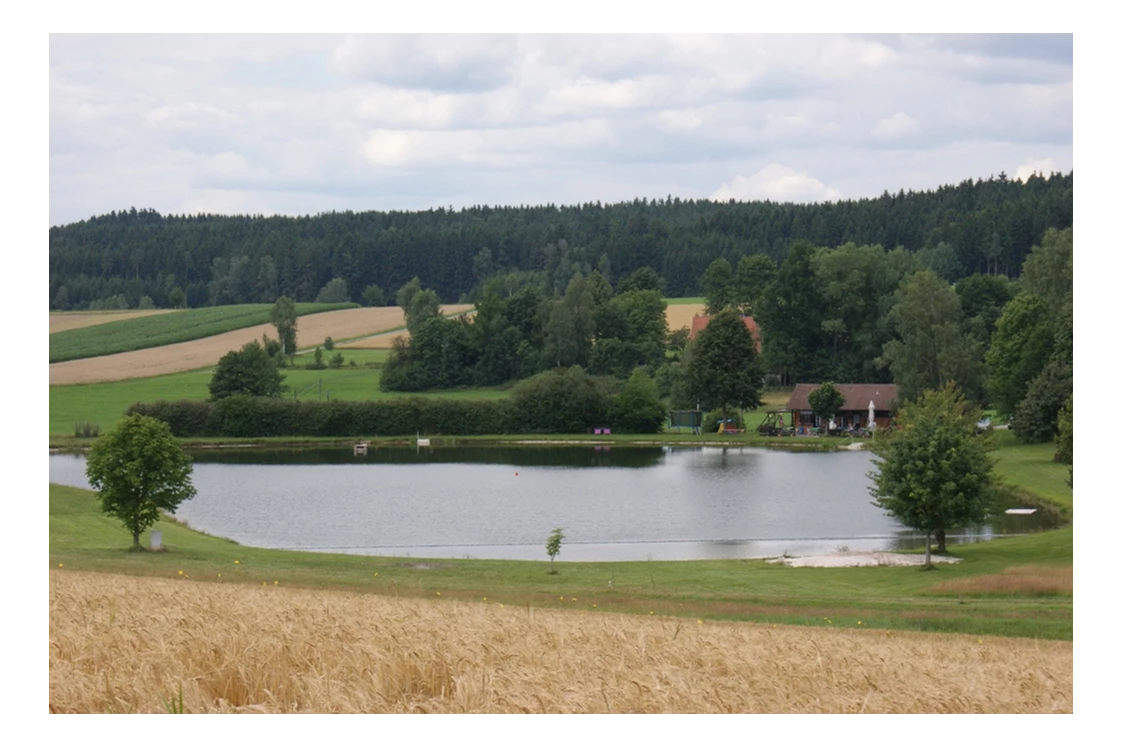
(637, 409)
(1035, 419)
(564, 401)
(712, 419)
(84, 430)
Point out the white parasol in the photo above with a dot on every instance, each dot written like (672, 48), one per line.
(872, 424)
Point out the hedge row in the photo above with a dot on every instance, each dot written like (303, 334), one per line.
(554, 402)
(243, 416)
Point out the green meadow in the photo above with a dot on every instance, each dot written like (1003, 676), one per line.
(104, 403)
(1009, 587)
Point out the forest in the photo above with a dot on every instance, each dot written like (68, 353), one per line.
(134, 258)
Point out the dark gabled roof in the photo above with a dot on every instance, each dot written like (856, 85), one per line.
(857, 396)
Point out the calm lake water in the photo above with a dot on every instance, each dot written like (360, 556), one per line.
(614, 504)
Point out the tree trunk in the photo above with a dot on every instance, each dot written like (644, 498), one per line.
(928, 549)
(941, 541)
(136, 540)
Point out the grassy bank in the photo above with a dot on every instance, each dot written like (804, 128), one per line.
(1030, 468)
(1009, 587)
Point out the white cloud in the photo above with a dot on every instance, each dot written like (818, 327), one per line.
(434, 61)
(1043, 166)
(496, 147)
(897, 126)
(500, 118)
(777, 183)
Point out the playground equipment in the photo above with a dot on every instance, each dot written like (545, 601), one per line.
(691, 419)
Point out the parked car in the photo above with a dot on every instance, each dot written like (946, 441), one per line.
(983, 424)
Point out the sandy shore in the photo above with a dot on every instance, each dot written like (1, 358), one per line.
(861, 558)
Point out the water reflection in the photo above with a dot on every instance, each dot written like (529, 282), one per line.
(625, 503)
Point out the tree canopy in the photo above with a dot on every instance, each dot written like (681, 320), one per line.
(249, 371)
(240, 259)
(932, 473)
(931, 348)
(722, 368)
(139, 470)
(826, 401)
(283, 317)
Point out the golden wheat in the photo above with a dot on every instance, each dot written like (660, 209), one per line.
(126, 644)
(681, 315)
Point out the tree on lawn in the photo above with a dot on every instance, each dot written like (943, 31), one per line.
(139, 470)
(249, 371)
(723, 370)
(553, 546)
(283, 317)
(933, 472)
(826, 402)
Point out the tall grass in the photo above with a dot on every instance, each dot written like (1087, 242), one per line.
(126, 644)
(164, 329)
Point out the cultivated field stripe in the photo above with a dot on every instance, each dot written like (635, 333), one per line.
(195, 354)
(69, 321)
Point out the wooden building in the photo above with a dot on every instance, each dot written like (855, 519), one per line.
(855, 407)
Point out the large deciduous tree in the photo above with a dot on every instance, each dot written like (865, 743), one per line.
(931, 349)
(723, 370)
(791, 314)
(719, 286)
(334, 292)
(283, 317)
(754, 273)
(1022, 344)
(138, 470)
(249, 371)
(1047, 271)
(933, 473)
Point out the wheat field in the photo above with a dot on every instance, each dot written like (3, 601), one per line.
(681, 315)
(125, 644)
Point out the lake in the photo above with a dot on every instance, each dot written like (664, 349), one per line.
(614, 504)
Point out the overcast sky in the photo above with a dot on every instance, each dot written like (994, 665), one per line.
(304, 124)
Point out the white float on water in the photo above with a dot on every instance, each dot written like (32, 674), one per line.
(1020, 511)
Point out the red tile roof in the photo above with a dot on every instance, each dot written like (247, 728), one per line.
(857, 396)
(699, 322)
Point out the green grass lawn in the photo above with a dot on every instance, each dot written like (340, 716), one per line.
(165, 329)
(104, 403)
(877, 597)
(1031, 468)
(686, 300)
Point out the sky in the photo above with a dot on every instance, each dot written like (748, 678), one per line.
(303, 124)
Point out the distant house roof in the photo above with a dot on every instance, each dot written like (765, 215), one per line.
(856, 396)
(699, 322)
